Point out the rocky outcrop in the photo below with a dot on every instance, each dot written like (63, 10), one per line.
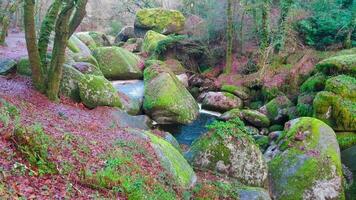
(307, 162)
(166, 99)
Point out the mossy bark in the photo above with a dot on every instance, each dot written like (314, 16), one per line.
(46, 30)
(60, 44)
(285, 6)
(265, 30)
(78, 16)
(34, 56)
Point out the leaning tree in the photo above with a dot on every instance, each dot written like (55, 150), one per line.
(63, 17)
(7, 9)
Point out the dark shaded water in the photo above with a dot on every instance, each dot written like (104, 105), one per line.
(186, 134)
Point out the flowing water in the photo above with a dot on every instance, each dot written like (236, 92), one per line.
(185, 134)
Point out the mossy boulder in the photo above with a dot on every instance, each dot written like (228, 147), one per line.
(228, 149)
(101, 39)
(118, 63)
(277, 109)
(255, 118)
(6, 66)
(151, 40)
(23, 67)
(337, 112)
(160, 20)
(173, 161)
(241, 92)
(343, 86)
(231, 114)
(87, 40)
(308, 165)
(166, 99)
(79, 52)
(70, 83)
(220, 101)
(343, 64)
(314, 83)
(348, 159)
(175, 66)
(97, 91)
(346, 139)
(87, 68)
(305, 104)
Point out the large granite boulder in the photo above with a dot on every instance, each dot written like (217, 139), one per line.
(342, 64)
(160, 20)
(276, 109)
(126, 33)
(97, 91)
(228, 149)
(166, 99)
(6, 66)
(306, 163)
(118, 63)
(70, 83)
(77, 51)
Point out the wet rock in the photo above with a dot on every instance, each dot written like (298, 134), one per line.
(166, 99)
(307, 168)
(118, 63)
(220, 101)
(6, 66)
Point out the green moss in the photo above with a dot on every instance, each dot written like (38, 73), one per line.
(8, 113)
(346, 140)
(97, 91)
(274, 107)
(87, 40)
(344, 64)
(163, 44)
(174, 162)
(263, 142)
(241, 92)
(275, 127)
(271, 93)
(34, 144)
(314, 83)
(342, 85)
(118, 63)
(69, 85)
(23, 67)
(160, 20)
(256, 118)
(151, 41)
(295, 171)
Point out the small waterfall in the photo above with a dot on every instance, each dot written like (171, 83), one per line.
(208, 112)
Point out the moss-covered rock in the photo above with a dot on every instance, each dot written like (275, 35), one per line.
(241, 92)
(220, 101)
(305, 104)
(337, 112)
(23, 67)
(160, 20)
(255, 118)
(70, 83)
(228, 149)
(86, 39)
(118, 63)
(100, 38)
(348, 159)
(151, 41)
(97, 91)
(276, 109)
(308, 165)
(166, 99)
(342, 85)
(79, 52)
(314, 83)
(343, 64)
(173, 161)
(175, 66)
(231, 114)
(346, 139)
(87, 68)
(6, 66)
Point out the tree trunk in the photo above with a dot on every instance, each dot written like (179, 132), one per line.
(78, 16)
(46, 30)
(5, 22)
(285, 8)
(33, 54)
(58, 54)
(230, 33)
(352, 25)
(265, 24)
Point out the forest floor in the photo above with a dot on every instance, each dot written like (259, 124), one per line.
(15, 47)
